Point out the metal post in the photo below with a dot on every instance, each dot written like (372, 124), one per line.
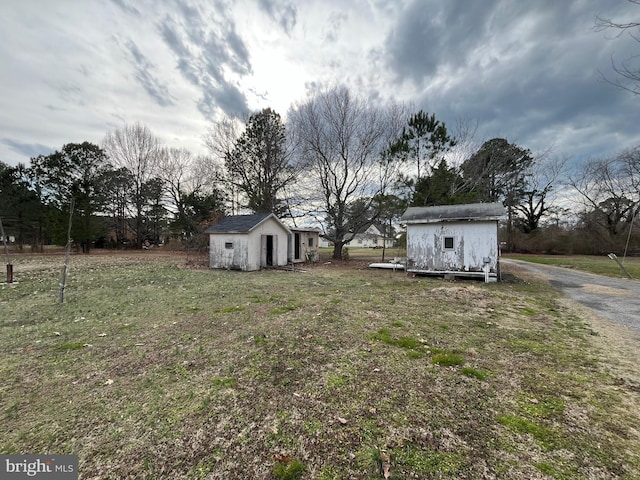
(6, 252)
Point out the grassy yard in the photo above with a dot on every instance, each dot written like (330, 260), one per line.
(156, 369)
(602, 265)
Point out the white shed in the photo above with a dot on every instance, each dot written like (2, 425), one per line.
(304, 245)
(248, 242)
(457, 240)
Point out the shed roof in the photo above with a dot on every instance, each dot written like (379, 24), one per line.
(451, 213)
(241, 223)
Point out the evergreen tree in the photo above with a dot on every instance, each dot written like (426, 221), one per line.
(422, 146)
(75, 172)
(259, 165)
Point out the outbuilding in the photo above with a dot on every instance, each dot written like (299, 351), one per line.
(304, 245)
(454, 240)
(248, 242)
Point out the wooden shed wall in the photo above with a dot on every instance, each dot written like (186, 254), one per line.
(306, 253)
(472, 243)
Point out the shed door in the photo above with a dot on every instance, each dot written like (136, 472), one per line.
(296, 246)
(269, 250)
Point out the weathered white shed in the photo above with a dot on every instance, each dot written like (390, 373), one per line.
(457, 240)
(248, 242)
(304, 245)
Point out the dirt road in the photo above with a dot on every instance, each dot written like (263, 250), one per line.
(617, 299)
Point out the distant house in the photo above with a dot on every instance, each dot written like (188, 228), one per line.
(456, 240)
(248, 242)
(371, 237)
(324, 243)
(304, 245)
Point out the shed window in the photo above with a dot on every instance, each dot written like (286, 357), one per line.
(448, 243)
(310, 241)
(228, 245)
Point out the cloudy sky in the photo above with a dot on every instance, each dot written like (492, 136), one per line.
(528, 71)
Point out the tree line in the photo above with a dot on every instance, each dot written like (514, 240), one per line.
(339, 158)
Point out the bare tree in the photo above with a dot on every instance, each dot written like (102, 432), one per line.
(342, 139)
(220, 139)
(467, 142)
(185, 175)
(628, 72)
(607, 192)
(630, 160)
(537, 196)
(135, 148)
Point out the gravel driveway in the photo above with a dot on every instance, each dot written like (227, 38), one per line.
(617, 299)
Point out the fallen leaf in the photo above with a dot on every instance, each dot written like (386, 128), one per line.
(343, 421)
(102, 334)
(282, 457)
(108, 382)
(57, 334)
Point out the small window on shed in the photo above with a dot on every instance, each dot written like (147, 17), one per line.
(228, 245)
(448, 243)
(310, 241)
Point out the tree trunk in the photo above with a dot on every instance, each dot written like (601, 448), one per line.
(337, 250)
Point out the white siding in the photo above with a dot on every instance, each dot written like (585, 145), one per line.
(269, 227)
(306, 252)
(235, 258)
(472, 243)
(246, 253)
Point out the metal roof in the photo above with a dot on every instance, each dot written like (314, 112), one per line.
(450, 213)
(240, 223)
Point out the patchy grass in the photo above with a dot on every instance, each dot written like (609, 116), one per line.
(153, 370)
(601, 265)
(447, 359)
(475, 373)
(291, 470)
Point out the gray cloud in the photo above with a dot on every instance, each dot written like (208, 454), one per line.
(27, 149)
(284, 13)
(126, 7)
(204, 47)
(227, 97)
(531, 72)
(430, 35)
(516, 67)
(153, 86)
(334, 24)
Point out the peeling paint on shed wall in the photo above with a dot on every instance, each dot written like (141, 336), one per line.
(472, 243)
(235, 258)
(306, 252)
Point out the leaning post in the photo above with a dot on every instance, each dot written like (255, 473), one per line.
(614, 257)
